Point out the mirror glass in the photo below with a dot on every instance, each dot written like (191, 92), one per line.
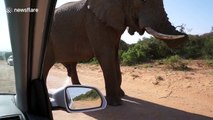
(79, 98)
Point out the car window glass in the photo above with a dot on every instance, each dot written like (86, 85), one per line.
(57, 76)
(7, 78)
(154, 74)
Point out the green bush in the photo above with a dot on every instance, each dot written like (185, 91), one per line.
(132, 57)
(176, 63)
(207, 49)
(94, 60)
(145, 50)
(123, 46)
(197, 47)
(209, 63)
(156, 49)
(90, 95)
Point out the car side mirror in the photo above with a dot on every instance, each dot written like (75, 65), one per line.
(77, 98)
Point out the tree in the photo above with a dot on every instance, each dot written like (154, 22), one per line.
(182, 28)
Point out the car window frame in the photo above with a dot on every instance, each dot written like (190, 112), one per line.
(30, 86)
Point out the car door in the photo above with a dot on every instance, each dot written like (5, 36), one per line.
(28, 34)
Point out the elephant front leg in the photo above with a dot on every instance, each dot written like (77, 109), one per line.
(118, 70)
(112, 76)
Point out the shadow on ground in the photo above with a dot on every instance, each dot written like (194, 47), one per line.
(136, 109)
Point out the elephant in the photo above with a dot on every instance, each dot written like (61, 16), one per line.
(92, 28)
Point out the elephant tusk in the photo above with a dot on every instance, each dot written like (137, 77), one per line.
(161, 35)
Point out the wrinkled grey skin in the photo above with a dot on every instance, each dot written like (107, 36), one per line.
(88, 28)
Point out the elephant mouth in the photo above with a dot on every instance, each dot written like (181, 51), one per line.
(161, 35)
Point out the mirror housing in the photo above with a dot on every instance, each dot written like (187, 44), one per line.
(77, 98)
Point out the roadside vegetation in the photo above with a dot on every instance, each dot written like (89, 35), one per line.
(149, 49)
(90, 95)
(176, 63)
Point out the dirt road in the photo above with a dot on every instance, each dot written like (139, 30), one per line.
(7, 78)
(153, 92)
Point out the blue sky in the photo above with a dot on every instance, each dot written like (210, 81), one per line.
(196, 14)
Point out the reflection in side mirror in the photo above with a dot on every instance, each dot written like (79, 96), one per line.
(82, 98)
(77, 98)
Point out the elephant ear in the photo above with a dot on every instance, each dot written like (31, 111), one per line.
(109, 12)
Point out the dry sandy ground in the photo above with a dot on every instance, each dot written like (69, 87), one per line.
(84, 104)
(7, 78)
(153, 92)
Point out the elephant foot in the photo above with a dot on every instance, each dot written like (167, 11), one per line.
(122, 93)
(113, 101)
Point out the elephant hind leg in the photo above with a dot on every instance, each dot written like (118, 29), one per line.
(71, 72)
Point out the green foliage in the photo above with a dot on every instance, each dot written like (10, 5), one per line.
(133, 56)
(123, 46)
(156, 49)
(1, 58)
(90, 95)
(94, 60)
(192, 48)
(197, 47)
(207, 50)
(145, 50)
(176, 63)
(209, 63)
(5, 55)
